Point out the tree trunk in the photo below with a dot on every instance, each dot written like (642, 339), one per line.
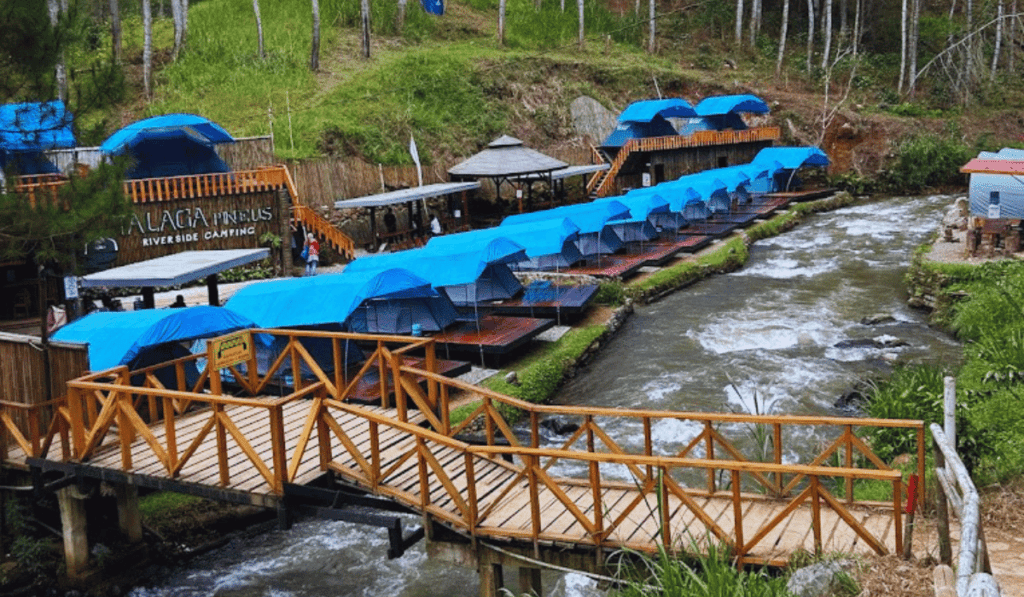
(650, 39)
(855, 38)
(844, 22)
(53, 7)
(784, 29)
(915, 38)
(501, 22)
(365, 14)
(810, 32)
(147, 48)
(579, 8)
(259, 30)
(826, 27)
(401, 15)
(903, 49)
(314, 49)
(115, 30)
(184, 23)
(999, 41)
(1011, 41)
(176, 15)
(739, 22)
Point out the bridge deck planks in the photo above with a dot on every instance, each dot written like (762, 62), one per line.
(511, 518)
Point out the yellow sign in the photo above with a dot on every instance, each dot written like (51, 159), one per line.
(230, 350)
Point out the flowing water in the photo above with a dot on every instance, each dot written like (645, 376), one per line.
(764, 338)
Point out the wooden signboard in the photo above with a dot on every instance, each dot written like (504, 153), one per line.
(228, 351)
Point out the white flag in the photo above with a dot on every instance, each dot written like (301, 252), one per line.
(416, 158)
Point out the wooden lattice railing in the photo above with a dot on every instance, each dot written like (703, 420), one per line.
(471, 487)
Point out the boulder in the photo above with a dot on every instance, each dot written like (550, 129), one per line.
(818, 580)
(512, 378)
(878, 319)
(559, 425)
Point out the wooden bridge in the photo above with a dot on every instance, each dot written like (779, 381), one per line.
(251, 437)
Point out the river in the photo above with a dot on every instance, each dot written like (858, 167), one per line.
(761, 339)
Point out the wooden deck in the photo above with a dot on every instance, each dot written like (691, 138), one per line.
(492, 334)
(606, 496)
(610, 266)
(712, 228)
(566, 302)
(805, 195)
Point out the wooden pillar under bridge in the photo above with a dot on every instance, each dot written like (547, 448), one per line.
(129, 517)
(73, 526)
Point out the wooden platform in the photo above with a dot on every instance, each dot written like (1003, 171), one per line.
(805, 195)
(492, 334)
(741, 219)
(367, 390)
(712, 228)
(567, 302)
(610, 266)
(762, 206)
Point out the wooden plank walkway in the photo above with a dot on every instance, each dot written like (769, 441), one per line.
(492, 334)
(503, 495)
(610, 266)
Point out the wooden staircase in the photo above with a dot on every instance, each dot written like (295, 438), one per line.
(307, 217)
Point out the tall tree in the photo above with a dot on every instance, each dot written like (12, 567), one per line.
(651, 33)
(579, 9)
(55, 10)
(259, 29)
(364, 16)
(739, 22)
(178, 18)
(1011, 42)
(147, 48)
(755, 21)
(999, 40)
(783, 30)
(915, 40)
(314, 50)
(904, 24)
(810, 33)
(826, 29)
(401, 16)
(115, 30)
(501, 22)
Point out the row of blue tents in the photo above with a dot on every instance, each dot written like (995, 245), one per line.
(650, 118)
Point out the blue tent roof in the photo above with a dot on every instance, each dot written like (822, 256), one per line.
(440, 268)
(35, 126)
(323, 300)
(647, 110)
(540, 239)
(641, 206)
(588, 217)
(658, 127)
(168, 126)
(792, 158)
(732, 176)
(725, 104)
(117, 338)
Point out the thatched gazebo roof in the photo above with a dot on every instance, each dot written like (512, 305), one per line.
(506, 158)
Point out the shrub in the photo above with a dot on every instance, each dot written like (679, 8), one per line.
(926, 160)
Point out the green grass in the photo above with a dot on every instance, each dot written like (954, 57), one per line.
(164, 503)
(704, 575)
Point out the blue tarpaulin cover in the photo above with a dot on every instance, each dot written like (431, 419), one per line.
(118, 338)
(588, 217)
(792, 158)
(169, 145)
(549, 244)
(434, 7)
(323, 300)
(647, 110)
(725, 104)
(624, 131)
(35, 126)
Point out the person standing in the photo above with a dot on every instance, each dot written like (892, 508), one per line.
(312, 254)
(390, 221)
(435, 226)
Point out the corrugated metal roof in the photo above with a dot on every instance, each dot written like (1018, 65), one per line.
(407, 195)
(172, 270)
(990, 166)
(506, 156)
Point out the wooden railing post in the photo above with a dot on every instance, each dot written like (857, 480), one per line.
(170, 418)
(337, 346)
(296, 364)
(396, 375)
(421, 458)
(816, 512)
(532, 463)
(278, 446)
(375, 454)
(710, 456)
(534, 429)
(474, 512)
(648, 446)
(777, 441)
(897, 513)
(385, 396)
(737, 513)
(848, 434)
(488, 423)
(664, 508)
(76, 423)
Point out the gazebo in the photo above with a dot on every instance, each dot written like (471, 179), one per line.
(506, 159)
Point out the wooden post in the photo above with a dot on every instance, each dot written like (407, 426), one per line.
(491, 579)
(284, 213)
(73, 526)
(211, 290)
(129, 518)
(529, 581)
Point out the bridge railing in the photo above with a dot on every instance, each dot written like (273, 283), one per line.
(451, 491)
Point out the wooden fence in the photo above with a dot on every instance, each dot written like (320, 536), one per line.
(27, 402)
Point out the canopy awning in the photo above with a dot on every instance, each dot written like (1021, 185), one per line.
(506, 157)
(549, 243)
(792, 158)
(35, 126)
(174, 270)
(647, 110)
(569, 172)
(407, 195)
(993, 166)
(725, 104)
(117, 338)
(168, 126)
(588, 217)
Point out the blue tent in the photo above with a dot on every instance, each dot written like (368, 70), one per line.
(125, 337)
(678, 195)
(434, 7)
(646, 211)
(29, 129)
(549, 244)
(722, 112)
(388, 302)
(466, 278)
(169, 145)
(790, 159)
(647, 118)
(596, 236)
(1003, 190)
(712, 191)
